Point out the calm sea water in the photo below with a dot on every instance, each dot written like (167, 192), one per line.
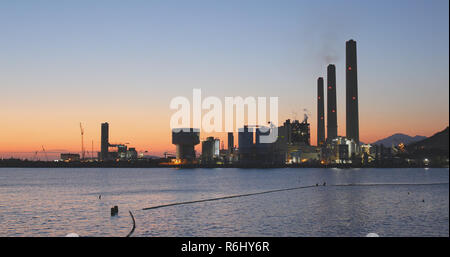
(55, 202)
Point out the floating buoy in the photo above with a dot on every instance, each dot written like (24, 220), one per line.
(114, 210)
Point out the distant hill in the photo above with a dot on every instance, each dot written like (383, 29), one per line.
(397, 139)
(437, 142)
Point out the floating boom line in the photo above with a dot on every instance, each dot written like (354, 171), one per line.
(293, 188)
(134, 225)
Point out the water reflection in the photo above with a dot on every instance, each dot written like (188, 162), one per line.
(55, 202)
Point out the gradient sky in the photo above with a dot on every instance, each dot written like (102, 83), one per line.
(65, 62)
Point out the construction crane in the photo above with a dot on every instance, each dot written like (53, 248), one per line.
(82, 142)
(45, 153)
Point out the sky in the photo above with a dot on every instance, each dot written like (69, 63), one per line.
(66, 62)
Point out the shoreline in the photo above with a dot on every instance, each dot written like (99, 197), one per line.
(50, 164)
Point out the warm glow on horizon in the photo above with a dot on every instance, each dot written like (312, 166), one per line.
(153, 134)
(58, 69)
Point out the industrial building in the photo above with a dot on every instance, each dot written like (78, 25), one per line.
(300, 132)
(293, 144)
(296, 133)
(104, 145)
(231, 155)
(368, 153)
(125, 153)
(294, 140)
(70, 157)
(343, 150)
(252, 151)
(122, 153)
(210, 150)
(304, 154)
(245, 143)
(185, 140)
(230, 142)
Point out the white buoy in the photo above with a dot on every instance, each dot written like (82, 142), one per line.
(72, 235)
(372, 235)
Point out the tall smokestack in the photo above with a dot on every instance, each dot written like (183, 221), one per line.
(331, 103)
(320, 113)
(352, 119)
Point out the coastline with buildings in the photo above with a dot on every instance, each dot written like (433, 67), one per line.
(292, 147)
(225, 128)
(292, 150)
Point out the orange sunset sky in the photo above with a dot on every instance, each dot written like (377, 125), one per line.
(87, 62)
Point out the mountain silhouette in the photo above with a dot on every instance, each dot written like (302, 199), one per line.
(437, 142)
(397, 139)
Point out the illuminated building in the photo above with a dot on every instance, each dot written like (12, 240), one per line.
(296, 132)
(70, 157)
(368, 152)
(294, 141)
(304, 154)
(300, 132)
(210, 149)
(343, 150)
(132, 154)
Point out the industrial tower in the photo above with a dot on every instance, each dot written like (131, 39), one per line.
(352, 116)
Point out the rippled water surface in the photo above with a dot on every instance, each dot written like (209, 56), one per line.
(55, 202)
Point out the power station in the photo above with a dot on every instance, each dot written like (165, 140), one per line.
(292, 145)
(333, 147)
